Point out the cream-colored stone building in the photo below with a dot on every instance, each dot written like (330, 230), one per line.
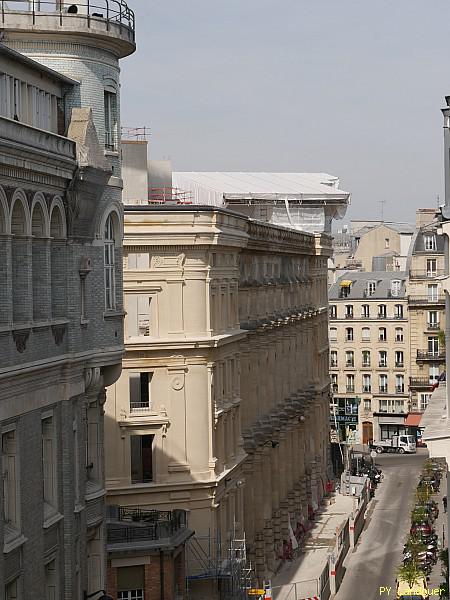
(426, 307)
(369, 355)
(222, 408)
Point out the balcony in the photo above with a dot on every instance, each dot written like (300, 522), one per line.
(350, 389)
(138, 407)
(334, 388)
(433, 326)
(420, 382)
(433, 355)
(383, 389)
(399, 364)
(426, 274)
(427, 300)
(111, 20)
(130, 528)
(366, 389)
(399, 389)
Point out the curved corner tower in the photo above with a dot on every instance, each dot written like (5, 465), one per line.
(83, 40)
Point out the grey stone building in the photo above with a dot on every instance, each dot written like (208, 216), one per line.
(61, 314)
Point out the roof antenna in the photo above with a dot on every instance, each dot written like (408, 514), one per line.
(382, 202)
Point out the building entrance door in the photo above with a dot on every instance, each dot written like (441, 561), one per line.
(367, 432)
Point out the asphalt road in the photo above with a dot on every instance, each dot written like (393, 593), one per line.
(378, 553)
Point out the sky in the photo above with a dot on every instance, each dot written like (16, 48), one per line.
(351, 88)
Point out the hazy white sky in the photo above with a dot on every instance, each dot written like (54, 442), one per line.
(353, 88)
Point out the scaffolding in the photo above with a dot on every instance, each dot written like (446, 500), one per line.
(224, 566)
(168, 195)
(139, 134)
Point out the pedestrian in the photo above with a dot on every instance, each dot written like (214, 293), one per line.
(444, 502)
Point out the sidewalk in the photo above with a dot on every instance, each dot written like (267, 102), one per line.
(440, 526)
(312, 557)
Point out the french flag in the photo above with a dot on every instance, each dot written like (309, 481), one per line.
(436, 383)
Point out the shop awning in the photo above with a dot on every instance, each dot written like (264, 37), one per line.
(413, 419)
(345, 283)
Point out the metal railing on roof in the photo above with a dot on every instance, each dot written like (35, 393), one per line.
(112, 11)
(431, 355)
(129, 525)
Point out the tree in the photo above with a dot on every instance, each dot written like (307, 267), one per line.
(410, 573)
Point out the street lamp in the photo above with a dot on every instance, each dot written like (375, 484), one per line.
(104, 595)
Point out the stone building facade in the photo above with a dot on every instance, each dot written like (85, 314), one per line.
(61, 317)
(222, 407)
(369, 355)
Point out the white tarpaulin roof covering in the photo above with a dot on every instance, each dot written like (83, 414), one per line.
(213, 187)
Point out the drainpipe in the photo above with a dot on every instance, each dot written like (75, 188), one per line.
(161, 574)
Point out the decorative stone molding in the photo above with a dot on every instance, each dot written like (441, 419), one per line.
(58, 332)
(20, 339)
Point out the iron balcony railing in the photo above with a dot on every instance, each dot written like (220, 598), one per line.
(433, 325)
(127, 525)
(111, 11)
(431, 355)
(426, 274)
(138, 406)
(420, 382)
(432, 299)
(367, 389)
(350, 388)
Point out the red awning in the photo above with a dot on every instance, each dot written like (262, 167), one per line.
(413, 419)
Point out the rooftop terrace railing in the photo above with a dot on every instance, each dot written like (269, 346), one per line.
(111, 11)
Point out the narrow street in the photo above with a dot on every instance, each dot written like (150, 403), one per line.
(379, 552)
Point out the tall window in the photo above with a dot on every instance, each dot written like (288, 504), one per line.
(423, 401)
(386, 243)
(399, 358)
(141, 458)
(333, 334)
(395, 287)
(349, 311)
(349, 358)
(334, 382)
(12, 590)
(349, 334)
(400, 384)
(433, 346)
(10, 474)
(383, 384)
(433, 292)
(110, 282)
(366, 358)
(333, 358)
(433, 373)
(365, 311)
(382, 334)
(367, 384)
(399, 334)
(382, 358)
(110, 121)
(51, 581)
(433, 319)
(429, 241)
(366, 334)
(350, 381)
(398, 314)
(333, 311)
(431, 267)
(140, 391)
(382, 311)
(371, 287)
(49, 462)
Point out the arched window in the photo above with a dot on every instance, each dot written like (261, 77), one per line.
(21, 259)
(58, 261)
(40, 261)
(5, 276)
(110, 279)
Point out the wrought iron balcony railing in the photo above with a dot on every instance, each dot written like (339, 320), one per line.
(111, 11)
(431, 355)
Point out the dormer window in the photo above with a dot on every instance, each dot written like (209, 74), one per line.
(429, 242)
(371, 287)
(345, 286)
(395, 287)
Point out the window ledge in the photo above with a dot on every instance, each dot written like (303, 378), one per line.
(111, 152)
(94, 490)
(114, 314)
(51, 516)
(13, 538)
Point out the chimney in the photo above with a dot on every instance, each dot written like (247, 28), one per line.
(446, 113)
